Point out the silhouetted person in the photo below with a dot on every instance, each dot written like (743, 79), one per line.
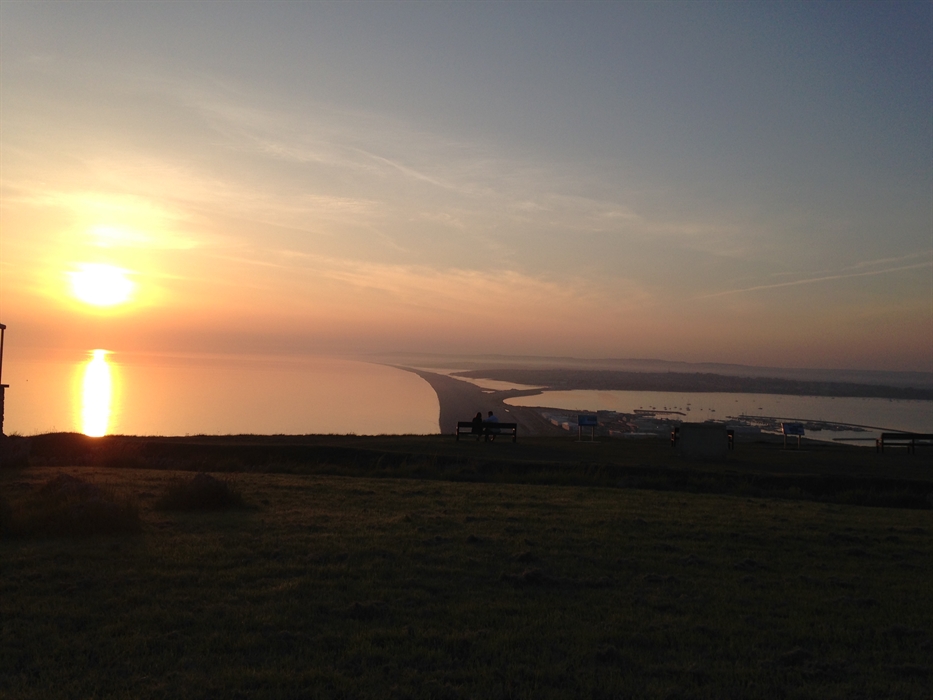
(477, 424)
(491, 418)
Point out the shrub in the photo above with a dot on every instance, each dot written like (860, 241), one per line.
(66, 505)
(6, 516)
(203, 492)
(14, 451)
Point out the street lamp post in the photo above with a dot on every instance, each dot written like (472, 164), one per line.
(2, 385)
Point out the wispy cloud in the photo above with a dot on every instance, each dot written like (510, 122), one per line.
(447, 289)
(112, 220)
(846, 273)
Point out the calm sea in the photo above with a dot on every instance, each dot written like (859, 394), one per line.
(133, 394)
(99, 392)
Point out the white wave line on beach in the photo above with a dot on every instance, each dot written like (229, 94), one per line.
(813, 280)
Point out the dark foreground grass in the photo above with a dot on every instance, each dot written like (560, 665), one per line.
(825, 472)
(371, 588)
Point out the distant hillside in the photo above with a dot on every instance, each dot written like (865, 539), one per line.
(566, 379)
(913, 380)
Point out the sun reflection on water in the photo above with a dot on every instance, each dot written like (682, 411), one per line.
(96, 395)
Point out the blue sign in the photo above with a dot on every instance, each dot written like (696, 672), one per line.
(586, 421)
(792, 429)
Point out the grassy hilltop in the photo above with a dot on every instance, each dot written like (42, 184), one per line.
(540, 569)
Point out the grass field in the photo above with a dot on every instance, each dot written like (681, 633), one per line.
(355, 587)
(760, 467)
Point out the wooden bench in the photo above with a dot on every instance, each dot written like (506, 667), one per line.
(908, 440)
(730, 437)
(465, 427)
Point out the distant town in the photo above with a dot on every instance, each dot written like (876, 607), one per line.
(651, 423)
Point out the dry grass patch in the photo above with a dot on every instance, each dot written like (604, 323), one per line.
(201, 492)
(67, 505)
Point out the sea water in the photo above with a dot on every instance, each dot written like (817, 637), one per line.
(99, 392)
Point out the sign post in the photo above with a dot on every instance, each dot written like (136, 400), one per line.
(792, 429)
(2, 385)
(585, 421)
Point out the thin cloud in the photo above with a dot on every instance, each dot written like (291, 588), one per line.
(111, 220)
(449, 288)
(888, 261)
(814, 280)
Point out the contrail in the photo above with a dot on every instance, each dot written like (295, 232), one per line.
(818, 279)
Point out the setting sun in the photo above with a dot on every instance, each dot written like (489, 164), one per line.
(101, 285)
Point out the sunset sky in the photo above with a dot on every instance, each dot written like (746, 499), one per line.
(723, 182)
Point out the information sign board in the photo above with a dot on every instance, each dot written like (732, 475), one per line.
(794, 430)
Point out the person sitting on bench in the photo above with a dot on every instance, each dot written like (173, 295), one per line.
(478, 424)
(491, 418)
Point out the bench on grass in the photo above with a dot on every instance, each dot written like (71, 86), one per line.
(730, 437)
(908, 440)
(465, 427)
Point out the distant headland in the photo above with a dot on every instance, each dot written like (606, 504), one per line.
(604, 380)
(561, 373)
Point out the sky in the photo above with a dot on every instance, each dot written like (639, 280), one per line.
(703, 182)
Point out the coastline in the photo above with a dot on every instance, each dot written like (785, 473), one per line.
(460, 400)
